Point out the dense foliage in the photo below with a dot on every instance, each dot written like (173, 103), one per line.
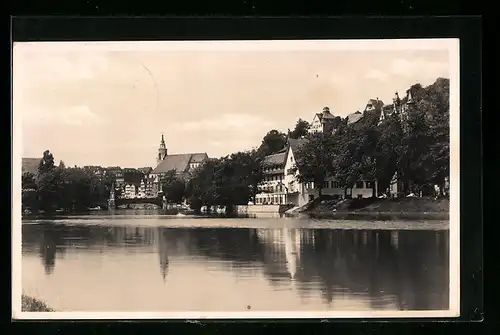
(58, 187)
(415, 149)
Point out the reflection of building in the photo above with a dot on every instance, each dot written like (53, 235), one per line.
(292, 249)
(163, 252)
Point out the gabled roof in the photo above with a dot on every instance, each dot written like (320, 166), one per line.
(145, 170)
(30, 165)
(179, 162)
(354, 117)
(375, 103)
(199, 157)
(275, 159)
(294, 144)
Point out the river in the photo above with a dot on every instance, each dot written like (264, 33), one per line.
(147, 262)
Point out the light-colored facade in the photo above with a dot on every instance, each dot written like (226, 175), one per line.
(130, 191)
(272, 190)
(361, 189)
(323, 122)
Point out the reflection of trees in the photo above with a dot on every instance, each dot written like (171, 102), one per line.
(404, 270)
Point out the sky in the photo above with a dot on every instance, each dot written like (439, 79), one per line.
(108, 104)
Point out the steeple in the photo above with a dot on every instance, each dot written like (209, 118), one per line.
(409, 97)
(162, 151)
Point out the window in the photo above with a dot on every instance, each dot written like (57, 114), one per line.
(359, 184)
(325, 184)
(337, 184)
(369, 184)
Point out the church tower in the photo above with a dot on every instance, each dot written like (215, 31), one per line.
(407, 110)
(162, 151)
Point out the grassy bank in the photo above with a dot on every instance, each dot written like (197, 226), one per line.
(30, 304)
(383, 209)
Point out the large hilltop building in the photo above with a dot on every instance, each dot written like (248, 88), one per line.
(324, 122)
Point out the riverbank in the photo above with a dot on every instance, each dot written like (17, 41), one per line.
(382, 209)
(29, 304)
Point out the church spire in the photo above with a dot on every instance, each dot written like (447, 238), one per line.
(162, 150)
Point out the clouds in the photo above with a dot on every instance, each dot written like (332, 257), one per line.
(417, 69)
(71, 116)
(227, 122)
(213, 101)
(377, 75)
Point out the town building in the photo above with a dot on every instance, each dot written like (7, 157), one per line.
(272, 189)
(145, 170)
(354, 117)
(117, 173)
(182, 164)
(152, 185)
(399, 109)
(130, 191)
(374, 104)
(280, 184)
(323, 122)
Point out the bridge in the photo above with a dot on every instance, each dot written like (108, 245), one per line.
(113, 203)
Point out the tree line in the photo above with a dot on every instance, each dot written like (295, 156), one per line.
(58, 187)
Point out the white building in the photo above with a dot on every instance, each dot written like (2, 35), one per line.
(280, 185)
(141, 193)
(130, 191)
(323, 122)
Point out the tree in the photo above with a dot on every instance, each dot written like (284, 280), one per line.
(28, 181)
(174, 187)
(301, 129)
(49, 182)
(273, 142)
(200, 189)
(46, 163)
(314, 160)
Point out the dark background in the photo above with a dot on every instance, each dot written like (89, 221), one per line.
(468, 29)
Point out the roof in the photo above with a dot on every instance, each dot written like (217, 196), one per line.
(296, 143)
(375, 103)
(199, 157)
(354, 117)
(179, 162)
(275, 159)
(30, 165)
(145, 169)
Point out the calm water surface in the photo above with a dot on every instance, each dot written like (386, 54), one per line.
(158, 263)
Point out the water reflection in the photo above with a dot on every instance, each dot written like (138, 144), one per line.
(404, 270)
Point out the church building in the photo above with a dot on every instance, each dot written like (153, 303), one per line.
(182, 164)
